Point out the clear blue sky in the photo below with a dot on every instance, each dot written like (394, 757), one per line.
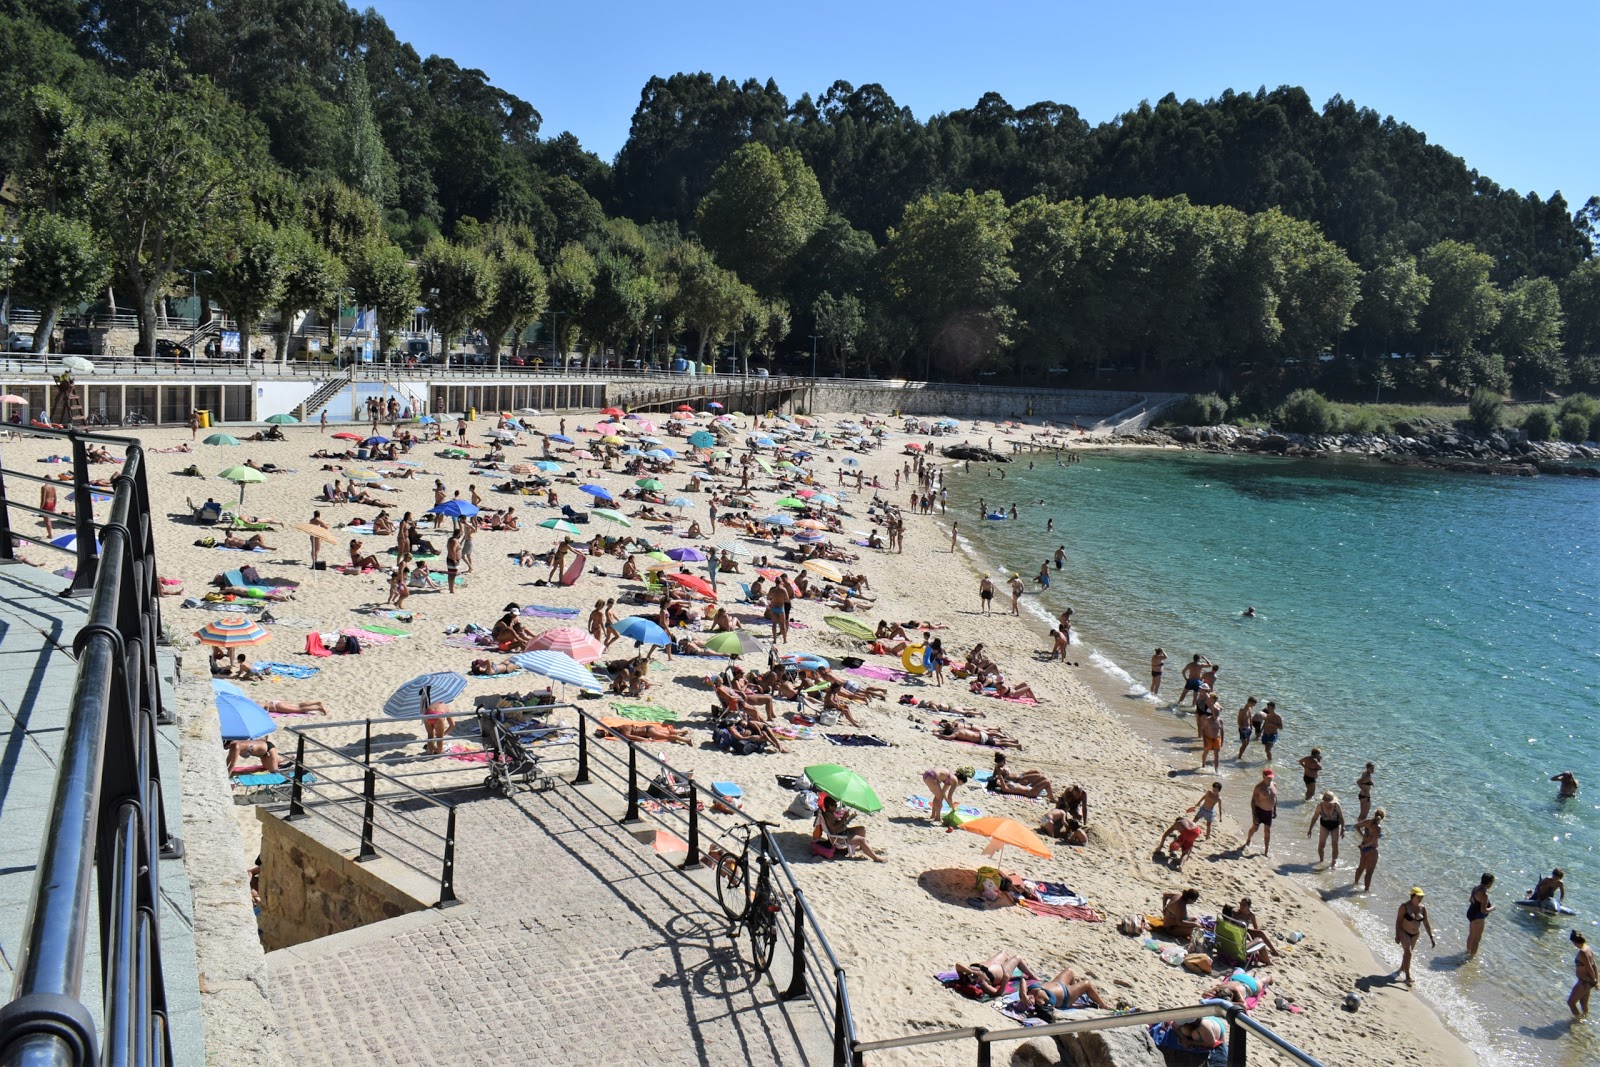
(1510, 88)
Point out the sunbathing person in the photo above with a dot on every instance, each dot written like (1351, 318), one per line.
(1065, 990)
(737, 699)
(251, 543)
(485, 667)
(648, 731)
(1028, 783)
(511, 633)
(1238, 988)
(295, 707)
(836, 822)
(360, 561)
(1175, 921)
(993, 975)
(952, 731)
(263, 749)
(1021, 691)
(754, 730)
(382, 524)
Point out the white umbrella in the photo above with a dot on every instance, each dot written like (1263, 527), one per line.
(77, 363)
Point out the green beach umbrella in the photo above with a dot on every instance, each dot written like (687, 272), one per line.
(244, 476)
(612, 516)
(282, 420)
(560, 526)
(734, 643)
(651, 484)
(764, 465)
(659, 555)
(220, 439)
(845, 786)
(791, 502)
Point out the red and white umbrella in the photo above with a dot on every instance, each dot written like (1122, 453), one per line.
(694, 583)
(579, 644)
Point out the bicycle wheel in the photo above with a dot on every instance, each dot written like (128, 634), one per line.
(733, 884)
(763, 923)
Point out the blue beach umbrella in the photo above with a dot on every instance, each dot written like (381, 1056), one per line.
(242, 719)
(559, 667)
(376, 441)
(548, 467)
(766, 442)
(98, 498)
(441, 687)
(427, 420)
(455, 509)
(851, 461)
(563, 438)
(777, 520)
(645, 631)
(701, 439)
(599, 492)
(70, 542)
(679, 502)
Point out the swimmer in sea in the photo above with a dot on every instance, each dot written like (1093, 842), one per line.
(1569, 785)
(1248, 613)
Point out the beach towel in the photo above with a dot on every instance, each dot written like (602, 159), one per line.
(314, 646)
(857, 740)
(1063, 911)
(644, 712)
(1165, 1038)
(1010, 1006)
(463, 754)
(950, 980)
(258, 777)
(925, 805)
(386, 631)
(1013, 700)
(882, 674)
(370, 637)
(287, 670)
(547, 612)
(794, 733)
(472, 641)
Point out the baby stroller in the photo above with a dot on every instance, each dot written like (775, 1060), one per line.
(512, 765)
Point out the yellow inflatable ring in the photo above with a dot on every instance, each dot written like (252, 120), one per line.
(911, 659)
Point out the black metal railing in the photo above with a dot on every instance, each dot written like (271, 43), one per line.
(373, 805)
(814, 970)
(106, 831)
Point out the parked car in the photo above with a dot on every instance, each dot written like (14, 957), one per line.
(19, 342)
(77, 341)
(165, 349)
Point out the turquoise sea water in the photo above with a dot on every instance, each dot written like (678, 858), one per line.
(1446, 627)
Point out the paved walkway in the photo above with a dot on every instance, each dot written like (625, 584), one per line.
(576, 944)
(37, 675)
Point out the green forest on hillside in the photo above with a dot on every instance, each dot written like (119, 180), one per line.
(297, 154)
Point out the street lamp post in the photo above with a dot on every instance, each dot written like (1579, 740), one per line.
(735, 351)
(814, 339)
(655, 324)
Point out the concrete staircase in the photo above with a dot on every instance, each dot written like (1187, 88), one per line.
(313, 404)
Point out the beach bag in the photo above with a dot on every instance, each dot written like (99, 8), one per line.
(668, 786)
(1131, 925)
(824, 849)
(953, 819)
(828, 717)
(988, 879)
(804, 804)
(1197, 963)
(852, 661)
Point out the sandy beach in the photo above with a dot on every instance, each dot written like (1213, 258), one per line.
(896, 923)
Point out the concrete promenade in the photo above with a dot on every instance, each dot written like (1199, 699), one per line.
(575, 944)
(37, 674)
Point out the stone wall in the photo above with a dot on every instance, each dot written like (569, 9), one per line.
(982, 402)
(310, 889)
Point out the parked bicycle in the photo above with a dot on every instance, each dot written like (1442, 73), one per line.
(751, 906)
(133, 418)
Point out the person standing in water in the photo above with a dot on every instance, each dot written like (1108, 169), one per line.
(1311, 766)
(1156, 663)
(1569, 785)
(1409, 922)
(1271, 727)
(1263, 809)
(1478, 908)
(1587, 973)
(1371, 833)
(1329, 815)
(1247, 725)
(1061, 553)
(1364, 791)
(955, 533)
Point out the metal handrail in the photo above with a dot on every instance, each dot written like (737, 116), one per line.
(368, 797)
(107, 828)
(806, 929)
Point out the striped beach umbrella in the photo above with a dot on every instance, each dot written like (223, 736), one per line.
(560, 526)
(579, 644)
(559, 667)
(612, 516)
(232, 632)
(413, 698)
(823, 569)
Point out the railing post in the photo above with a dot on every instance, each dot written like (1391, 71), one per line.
(296, 808)
(633, 783)
(7, 547)
(797, 977)
(447, 873)
(692, 859)
(1236, 1040)
(985, 1050)
(88, 563)
(369, 795)
(583, 754)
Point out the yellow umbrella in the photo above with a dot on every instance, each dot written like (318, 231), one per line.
(611, 439)
(321, 533)
(823, 569)
(1003, 832)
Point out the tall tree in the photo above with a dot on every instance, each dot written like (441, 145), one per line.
(457, 283)
(1463, 305)
(247, 274)
(1529, 333)
(312, 277)
(384, 280)
(175, 152)
(840, 320)
(1394, 295)
(762, 208)
(59, 263)
(710, 299)
(520, 292)
(572, 287)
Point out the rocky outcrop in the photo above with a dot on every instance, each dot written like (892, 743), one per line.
(973, 453)
(1417, 444)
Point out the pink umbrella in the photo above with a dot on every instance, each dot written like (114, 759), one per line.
(579, 644)
(807, 493)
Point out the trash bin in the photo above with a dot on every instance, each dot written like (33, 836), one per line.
(472, 414)
(205, 417)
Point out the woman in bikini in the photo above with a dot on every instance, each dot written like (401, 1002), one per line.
(1409, 923)
(943, 784)
(295, 707)
(1044, 999)
(647, 731)
(1028, 783)
(994, 974)
(1330, 816)
(950, 731)
(1238, 988)
(1478, 908)
(1371, 832)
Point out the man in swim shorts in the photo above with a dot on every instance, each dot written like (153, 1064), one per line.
(1209, 807)
(1246, 723)
(1210, 737)
(1191, 677)
(1263, 809)
(1271, 726)
(1184, 832)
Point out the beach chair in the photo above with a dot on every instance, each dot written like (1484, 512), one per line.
(653, 583)
(231, 579)
(207, 514)
(1234, 945)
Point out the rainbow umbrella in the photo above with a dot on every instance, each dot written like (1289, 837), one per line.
(232, 632)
